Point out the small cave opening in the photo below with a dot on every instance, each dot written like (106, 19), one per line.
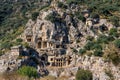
(44, 57)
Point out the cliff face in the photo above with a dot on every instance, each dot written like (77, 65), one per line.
(67, 37)
(71, 34)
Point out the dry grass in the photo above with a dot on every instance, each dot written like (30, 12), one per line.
(12, 76)
(48, 78)
(53, 78)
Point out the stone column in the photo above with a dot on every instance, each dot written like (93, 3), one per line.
(47, 45)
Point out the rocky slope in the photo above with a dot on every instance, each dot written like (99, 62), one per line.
(91, 41)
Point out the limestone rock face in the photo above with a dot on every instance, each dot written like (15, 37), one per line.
(53, 73)
(59, 41)
(29, 27)
(8, 62)
(98, 66)
(56, 32)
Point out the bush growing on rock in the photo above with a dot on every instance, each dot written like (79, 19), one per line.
(62, 5)
(80, 16)
(84, 75)
(113, 32)
(6, 45)
(19, 40)
(114, 20)
(96, 46)
(26, 45)
(89, 45)
(117, 43)
(35, 15)
(114, 57)
(82, 51)
(94, 15)
(98, 53)
(103, 39)
(53, 17)
(90, 38)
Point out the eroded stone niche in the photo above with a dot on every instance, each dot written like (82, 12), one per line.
(39, 45)
(43, 44)
(28, 38)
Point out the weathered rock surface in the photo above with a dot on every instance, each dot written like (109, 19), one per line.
(59, 39)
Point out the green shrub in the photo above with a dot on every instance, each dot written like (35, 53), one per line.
(96, 46)
(70, 1)
(74, 1)
(113, 32)
(35, 15)
(89, 45)
(28, 71)
(114, 20)
(6, 45)
(103, 39)
(94, 15)
(50, 17)
(82, 51)
(79, 16)
(111, 38)
(84, 75)
(19, 40)
(90, 38)
(98, 53)
(62, 5)
(1, 53)
(114, 57)
(117, 43)
(53, 17)
(26, 45)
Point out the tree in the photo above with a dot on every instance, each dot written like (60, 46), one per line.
(84, 75)
(28, 71)
(98, 53)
